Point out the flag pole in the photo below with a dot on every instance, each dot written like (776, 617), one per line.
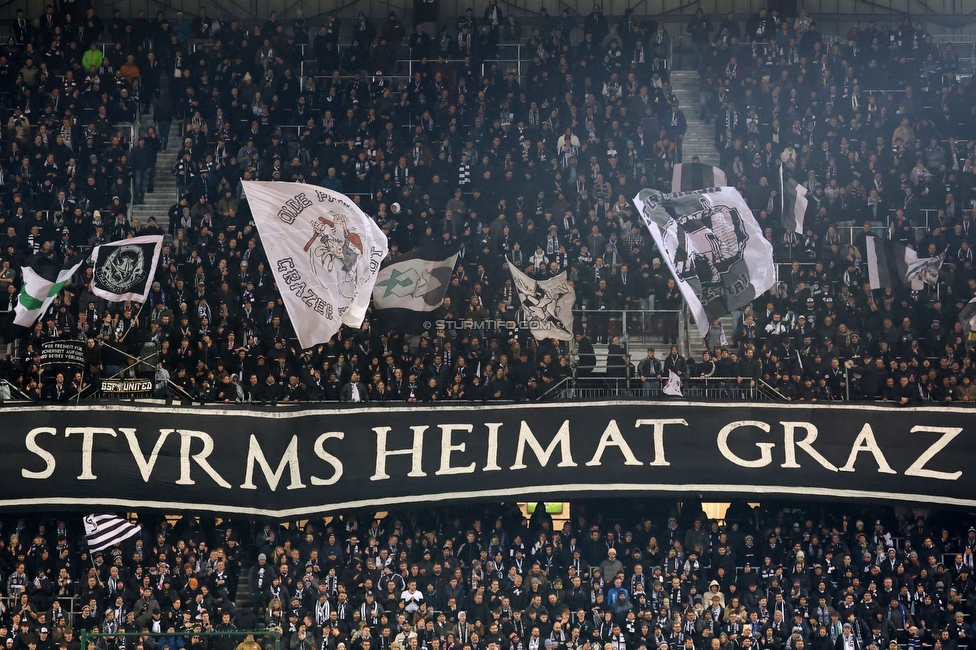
(141, 307)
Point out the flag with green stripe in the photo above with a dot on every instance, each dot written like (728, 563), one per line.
(44, 278)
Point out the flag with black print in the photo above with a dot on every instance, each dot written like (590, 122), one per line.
(688, 177)
(547, 304)
(124, 269)
(105, 531)
(323, 251)
(713, 246)
(927, 269)
(793, 203)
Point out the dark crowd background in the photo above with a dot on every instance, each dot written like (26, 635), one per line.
(425, 126)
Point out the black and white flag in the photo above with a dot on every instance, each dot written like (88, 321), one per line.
(547, 304)
(673, 385)
(889, 263)
(793, 202)
(688, 177)
(324, 253)
(124, 269)
(105, 531)
(713, 246)
(927, 269)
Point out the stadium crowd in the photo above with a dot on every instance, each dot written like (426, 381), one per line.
(463, 153)
(488, 578)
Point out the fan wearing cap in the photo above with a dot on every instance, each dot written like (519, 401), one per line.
(848, 639)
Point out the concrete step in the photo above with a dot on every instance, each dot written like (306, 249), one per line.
(158, 203)
(699, 139)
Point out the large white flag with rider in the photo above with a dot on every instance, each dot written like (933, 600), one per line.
(324, 253)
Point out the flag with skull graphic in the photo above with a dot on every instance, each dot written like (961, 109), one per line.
(124, 269)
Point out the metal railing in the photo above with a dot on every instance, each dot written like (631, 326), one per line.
(642, 326)
(719, 388)
(106, 640)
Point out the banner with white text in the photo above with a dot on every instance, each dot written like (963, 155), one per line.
(282, 463)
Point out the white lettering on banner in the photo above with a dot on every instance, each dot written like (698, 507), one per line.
(613, 438)
(289, 460)
(88, 442)
(918, 467)
(43, 454)
(790, 443)
(765, 457)
(492, 463)
(186, 439)
(465, 446)
(448, 447)
(416, 453)
(145, 466)
(658, 433)
(866, 442)
(561, 439)
(329, 458)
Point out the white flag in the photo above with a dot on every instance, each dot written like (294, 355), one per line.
(324, 253)
(673, 385)
(714, 247)
(547, 304)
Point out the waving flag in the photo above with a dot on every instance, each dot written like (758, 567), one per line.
(105, 531)
(324, 254)
(547, 304)
(124, 270)
(415, 282)
(927, 269)
(793, 202)
(44, 278)
(713, 246)
(889, 265)
(673, 385)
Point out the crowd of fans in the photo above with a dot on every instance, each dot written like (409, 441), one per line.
(487, 578)
(462, 153)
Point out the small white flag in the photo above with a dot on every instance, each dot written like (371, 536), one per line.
(673, 385)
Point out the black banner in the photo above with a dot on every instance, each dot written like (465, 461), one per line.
(126, 386)
(283, 463)
(67, 353)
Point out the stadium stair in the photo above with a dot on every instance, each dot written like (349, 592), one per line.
(164, 195)
(700, 137)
